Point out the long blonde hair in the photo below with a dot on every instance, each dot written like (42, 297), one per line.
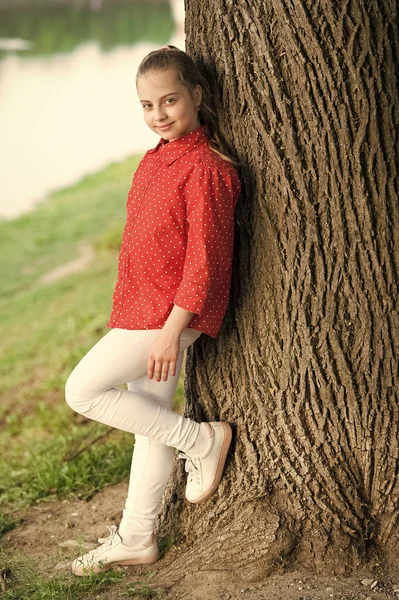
(190, 75)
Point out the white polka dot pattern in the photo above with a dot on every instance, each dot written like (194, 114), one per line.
(178, 239)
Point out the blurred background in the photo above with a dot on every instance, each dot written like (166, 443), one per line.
(68, 103)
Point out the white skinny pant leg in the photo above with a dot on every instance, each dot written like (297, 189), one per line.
(119, 357)
(152, 462)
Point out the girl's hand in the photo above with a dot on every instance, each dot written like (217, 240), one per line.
(163, 353)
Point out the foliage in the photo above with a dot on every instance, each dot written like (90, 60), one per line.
(63, 28)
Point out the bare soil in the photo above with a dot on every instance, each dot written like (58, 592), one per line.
(86, 256)
(49, 524)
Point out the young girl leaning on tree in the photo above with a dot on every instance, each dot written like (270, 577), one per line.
(173, 284)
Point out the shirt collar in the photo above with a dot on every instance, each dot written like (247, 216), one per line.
(173, 150)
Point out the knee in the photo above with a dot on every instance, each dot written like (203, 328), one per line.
(75, 395)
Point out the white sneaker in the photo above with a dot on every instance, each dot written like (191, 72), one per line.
(205, 471)
(113, 551)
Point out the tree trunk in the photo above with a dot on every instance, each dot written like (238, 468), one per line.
(305, 367)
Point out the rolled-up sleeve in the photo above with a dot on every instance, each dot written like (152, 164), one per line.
(210, 198)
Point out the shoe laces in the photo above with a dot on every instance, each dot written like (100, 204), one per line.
(107, 541)
(192, 467)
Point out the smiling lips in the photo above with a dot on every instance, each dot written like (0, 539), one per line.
(164, 126)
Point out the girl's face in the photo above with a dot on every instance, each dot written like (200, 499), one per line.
(169, 108)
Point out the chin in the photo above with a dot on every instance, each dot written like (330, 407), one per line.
(165, 134)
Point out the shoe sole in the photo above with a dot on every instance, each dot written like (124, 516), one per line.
(140, 561)
(228, 434)
(133, 561)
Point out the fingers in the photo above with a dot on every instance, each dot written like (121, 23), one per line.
(172, 365)
(163, 356)
(160, 369)
(150, 367)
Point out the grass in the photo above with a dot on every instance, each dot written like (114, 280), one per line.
(44, 472)
(21, 581)
(46, 451)
(60, 320)
(7, 523)
(142, 589)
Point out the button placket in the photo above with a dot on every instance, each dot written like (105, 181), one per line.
(144, 188)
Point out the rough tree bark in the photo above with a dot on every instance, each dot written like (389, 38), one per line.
(305, 367)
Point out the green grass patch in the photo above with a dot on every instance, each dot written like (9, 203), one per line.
(49, 236)
(45, 469)
(7, 523)
(23, 582)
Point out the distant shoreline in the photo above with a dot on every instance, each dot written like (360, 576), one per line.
(56, 4)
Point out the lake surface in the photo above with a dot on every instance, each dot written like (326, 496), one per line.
(69, 107)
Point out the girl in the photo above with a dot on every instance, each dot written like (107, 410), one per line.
(173, 284)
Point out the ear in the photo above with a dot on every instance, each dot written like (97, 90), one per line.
(198, 94)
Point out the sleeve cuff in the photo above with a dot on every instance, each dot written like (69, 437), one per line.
(191, 297)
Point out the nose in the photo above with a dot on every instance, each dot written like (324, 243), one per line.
(159, 113)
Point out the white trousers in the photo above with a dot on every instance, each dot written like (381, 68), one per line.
(144, 409)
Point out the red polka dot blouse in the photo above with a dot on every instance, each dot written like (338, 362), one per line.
(177, 243)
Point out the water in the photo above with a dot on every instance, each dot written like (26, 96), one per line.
(66, 114)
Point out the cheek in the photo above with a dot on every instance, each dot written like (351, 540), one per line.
(185, 111)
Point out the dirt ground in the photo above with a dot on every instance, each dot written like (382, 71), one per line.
(50, 531)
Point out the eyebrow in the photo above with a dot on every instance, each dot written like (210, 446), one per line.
(162, 97)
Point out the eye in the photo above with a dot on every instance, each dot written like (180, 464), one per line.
(170, 100)
(145, 105)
